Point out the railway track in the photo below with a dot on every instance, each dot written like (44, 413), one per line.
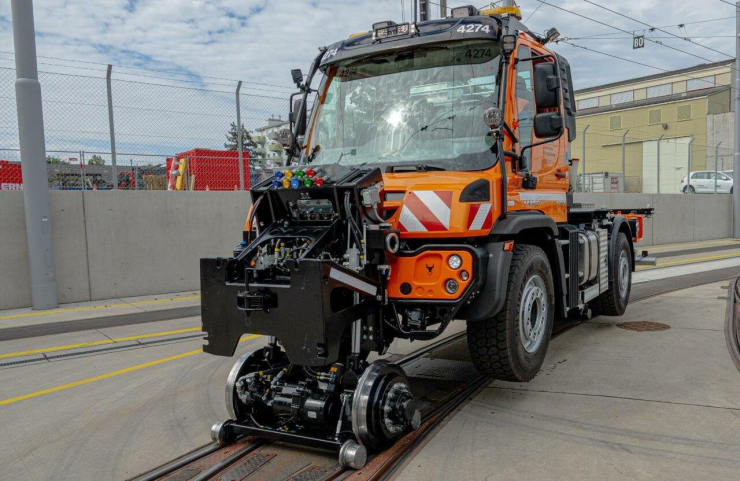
(443, 379)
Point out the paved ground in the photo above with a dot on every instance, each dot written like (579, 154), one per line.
(609, 404)
(111, 402)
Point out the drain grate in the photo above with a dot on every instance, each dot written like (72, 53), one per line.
(643, 326)
(315, 473)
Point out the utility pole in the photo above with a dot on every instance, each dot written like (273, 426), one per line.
(736, 157)
(239, 145)
(33, 158)
(688, 176)
(111, 129)
(416, 11)
(442, 8)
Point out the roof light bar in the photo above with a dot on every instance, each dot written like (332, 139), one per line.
(466, 11)
(384, 24)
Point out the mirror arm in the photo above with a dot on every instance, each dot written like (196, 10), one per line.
(306, 90)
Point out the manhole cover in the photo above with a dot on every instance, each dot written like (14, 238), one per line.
(643, 326)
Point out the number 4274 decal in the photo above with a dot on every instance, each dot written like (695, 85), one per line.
(474, 28)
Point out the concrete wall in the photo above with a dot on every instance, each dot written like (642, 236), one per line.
(678, 218)
(120, 244)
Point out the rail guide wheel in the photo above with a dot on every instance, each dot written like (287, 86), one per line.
(383, 407)
(252, 361)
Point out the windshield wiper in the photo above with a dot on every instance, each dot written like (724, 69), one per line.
(414, 168)
(352, 152)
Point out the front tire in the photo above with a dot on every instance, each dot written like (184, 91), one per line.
(511, 346)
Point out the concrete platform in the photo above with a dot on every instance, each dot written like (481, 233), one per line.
(609, 404)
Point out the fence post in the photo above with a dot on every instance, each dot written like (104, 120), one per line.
(240, 147)
(659, 139)
(624, 165)
(111, 129)
(583, 159)
(716, 157)
(688, 175)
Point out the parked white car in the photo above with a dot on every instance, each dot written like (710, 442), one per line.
(702, 182)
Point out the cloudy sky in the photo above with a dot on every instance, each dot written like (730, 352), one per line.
(205, 44)
(261, 40)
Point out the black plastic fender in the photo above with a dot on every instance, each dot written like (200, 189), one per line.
(619, 224)
(492, 295)
(515, 222)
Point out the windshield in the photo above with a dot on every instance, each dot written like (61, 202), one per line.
(423, 106)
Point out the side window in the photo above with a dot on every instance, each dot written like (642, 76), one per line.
(723, 177)
(524, 97)
(699, 176)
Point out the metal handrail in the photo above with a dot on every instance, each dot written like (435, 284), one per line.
(732, 321)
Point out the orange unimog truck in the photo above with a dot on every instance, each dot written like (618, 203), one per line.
(431, 182)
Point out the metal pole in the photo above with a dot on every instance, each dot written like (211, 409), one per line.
(442, 8)
(659, 139)
(736, 156)
(583, 160)
(416, 11)
(624, 165)
(33, 159)
(111, 129)
(688, 176)
(716, 156)
(239, 147)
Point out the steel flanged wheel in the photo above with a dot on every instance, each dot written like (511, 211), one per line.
(383, 407)
(250, 362)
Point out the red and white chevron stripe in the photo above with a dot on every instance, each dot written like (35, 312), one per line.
(426, 210)
(480, 217)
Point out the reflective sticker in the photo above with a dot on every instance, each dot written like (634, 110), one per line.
(426, 210)
(480, 217)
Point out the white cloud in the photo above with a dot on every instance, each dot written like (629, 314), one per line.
(261, 40)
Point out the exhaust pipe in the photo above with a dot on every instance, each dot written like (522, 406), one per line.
(645, 260)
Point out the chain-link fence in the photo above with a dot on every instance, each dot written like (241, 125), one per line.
(104, 133)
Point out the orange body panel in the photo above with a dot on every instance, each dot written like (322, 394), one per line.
(427, 274)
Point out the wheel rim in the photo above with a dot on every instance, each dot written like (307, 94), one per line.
(533, 314)
(624, 274)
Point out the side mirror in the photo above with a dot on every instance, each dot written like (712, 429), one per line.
(493, 117)
(293, 117)
(297, 76)
(546, 86)
(548, 124)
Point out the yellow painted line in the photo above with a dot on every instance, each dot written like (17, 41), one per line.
(96, 308)
(98, 343)
(107, 375)
(689, 261)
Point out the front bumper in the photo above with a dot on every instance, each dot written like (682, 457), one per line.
(309, 316)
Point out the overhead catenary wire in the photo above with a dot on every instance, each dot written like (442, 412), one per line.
(622, 30)
(590, 2)
(149, 70)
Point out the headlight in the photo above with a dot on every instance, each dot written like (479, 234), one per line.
(454, 261)
(464, 276)
(451, 286)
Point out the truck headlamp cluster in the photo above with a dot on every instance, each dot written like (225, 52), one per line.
(454, 261)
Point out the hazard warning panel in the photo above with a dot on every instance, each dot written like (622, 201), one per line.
(426, 211)
(480, 217)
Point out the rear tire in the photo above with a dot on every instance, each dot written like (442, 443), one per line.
(511, 346)
(613, 302)
(689, 190)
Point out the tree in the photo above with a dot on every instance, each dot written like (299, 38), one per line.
(50, 159)
(232, 140)
(96, 160)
